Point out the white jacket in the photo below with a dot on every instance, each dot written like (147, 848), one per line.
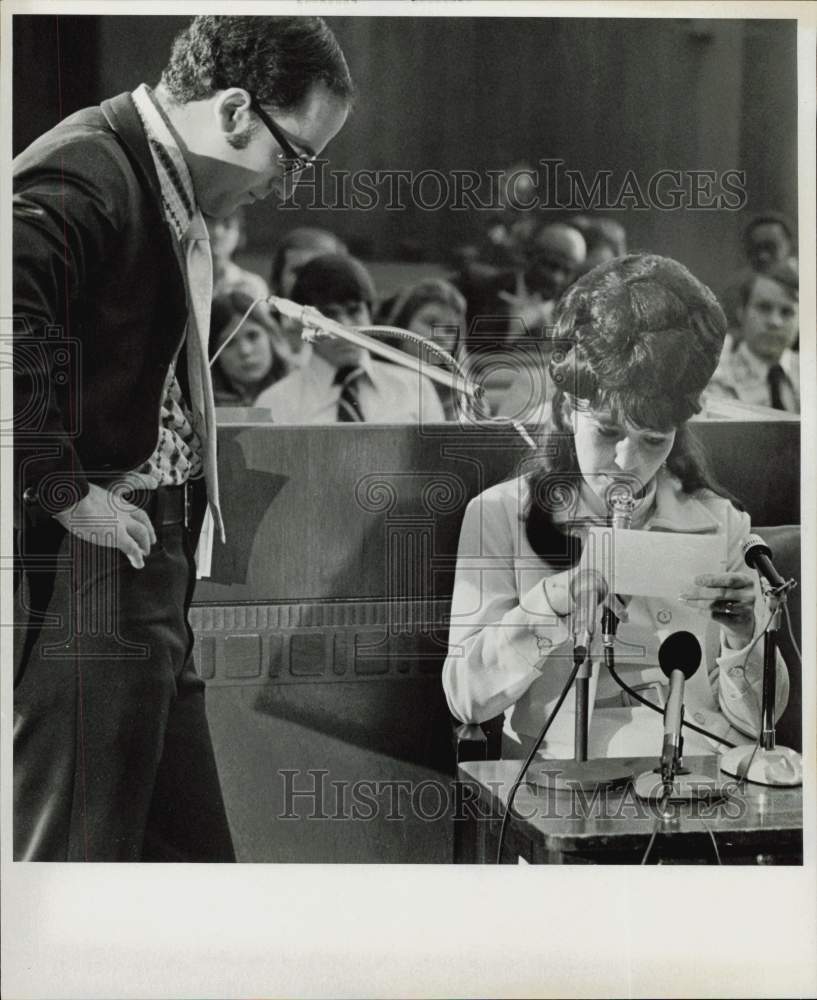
(508, 651)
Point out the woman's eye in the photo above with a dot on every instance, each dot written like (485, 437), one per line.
(657, 442)
(608, 433)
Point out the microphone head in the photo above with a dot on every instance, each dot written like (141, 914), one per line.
(621, 502)
(752, 547)
(680, 651)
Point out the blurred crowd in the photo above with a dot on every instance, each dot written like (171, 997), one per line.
(491, 311)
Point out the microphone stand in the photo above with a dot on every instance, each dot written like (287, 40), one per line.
(581, 774)
(765, 763)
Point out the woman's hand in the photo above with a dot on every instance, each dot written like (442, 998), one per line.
(730, 600)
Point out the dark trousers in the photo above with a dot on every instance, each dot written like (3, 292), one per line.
(112, 753)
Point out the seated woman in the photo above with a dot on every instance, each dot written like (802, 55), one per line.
(434, 309)
(645, 336)
(252, 360)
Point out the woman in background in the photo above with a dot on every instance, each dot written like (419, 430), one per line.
(252, 360)
(645, 337)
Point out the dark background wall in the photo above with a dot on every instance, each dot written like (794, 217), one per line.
(481, 93)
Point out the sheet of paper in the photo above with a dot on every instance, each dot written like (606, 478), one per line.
(652, 563)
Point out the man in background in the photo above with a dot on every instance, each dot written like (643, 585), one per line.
(342, 382)
(761, 368)
(115, 461)
(768, 240)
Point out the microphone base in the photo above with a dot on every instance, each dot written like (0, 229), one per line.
(781, 767)
(686, 787)
(568, 776)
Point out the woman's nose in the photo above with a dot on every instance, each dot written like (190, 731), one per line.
(627, 454)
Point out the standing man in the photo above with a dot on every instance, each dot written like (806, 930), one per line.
(115, 460)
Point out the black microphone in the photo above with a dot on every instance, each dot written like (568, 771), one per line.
(588, 589)
(679, 657)
(758, 556)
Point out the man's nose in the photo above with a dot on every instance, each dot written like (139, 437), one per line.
(775, 319)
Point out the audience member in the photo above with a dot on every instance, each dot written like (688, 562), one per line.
(761, 368)
(768, 239)
(342, 382)
(226, 236)
(506, 305)
(434, 309)
(605, 239)
(295, 249)
(253, 359)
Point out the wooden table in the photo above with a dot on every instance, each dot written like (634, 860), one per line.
(754, 825)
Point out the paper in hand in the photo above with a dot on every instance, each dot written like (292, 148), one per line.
(652, 563)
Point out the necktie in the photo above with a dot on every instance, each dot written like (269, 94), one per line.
(348, 405)
(199, 261)
(776, 378)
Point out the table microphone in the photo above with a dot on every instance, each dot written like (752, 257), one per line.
(679, 657)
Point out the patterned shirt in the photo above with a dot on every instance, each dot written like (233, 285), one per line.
(178, 454)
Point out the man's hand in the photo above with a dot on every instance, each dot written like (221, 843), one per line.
(105, 518)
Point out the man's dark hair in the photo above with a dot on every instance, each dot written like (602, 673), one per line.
(276, 59)
(768, 219)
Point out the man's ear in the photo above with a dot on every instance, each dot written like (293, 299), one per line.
(233, 112)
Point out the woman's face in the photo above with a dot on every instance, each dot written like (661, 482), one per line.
(439, 323)
(608, 450)
(247, 359)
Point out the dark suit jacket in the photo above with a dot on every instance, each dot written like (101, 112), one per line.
(99, 305)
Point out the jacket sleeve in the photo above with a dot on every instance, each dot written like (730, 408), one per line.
(64, 224)
(737, 674)
(498, 638)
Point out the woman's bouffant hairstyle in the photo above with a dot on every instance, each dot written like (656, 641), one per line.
(644, 339)
(640, 336)
(276, 59)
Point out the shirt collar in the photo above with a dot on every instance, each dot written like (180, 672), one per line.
(325, 373)
(178, 194)
(665, 507)
(760, 368)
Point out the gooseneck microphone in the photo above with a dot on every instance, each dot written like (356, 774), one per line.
(679, 657)
(758, 556)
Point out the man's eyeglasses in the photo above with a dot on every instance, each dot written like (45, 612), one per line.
(292, 162)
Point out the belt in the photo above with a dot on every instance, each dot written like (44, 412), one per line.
(165, 505)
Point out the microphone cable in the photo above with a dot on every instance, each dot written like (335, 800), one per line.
(609, 662)
(543, 732)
